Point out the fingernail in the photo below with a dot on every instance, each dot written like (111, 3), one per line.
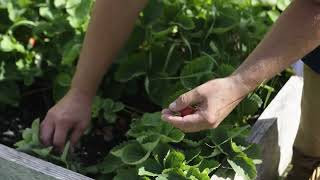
(173, 106)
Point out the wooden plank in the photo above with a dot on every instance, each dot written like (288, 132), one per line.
(276, 129)
(16, 165)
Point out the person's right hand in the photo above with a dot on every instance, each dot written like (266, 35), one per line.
(72, 114)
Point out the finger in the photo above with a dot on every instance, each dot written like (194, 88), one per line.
(60, 136)
(76, 134)
(190, 98)
(190, 123)
(46, 132)
(167, 111)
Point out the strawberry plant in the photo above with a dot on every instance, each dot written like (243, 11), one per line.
(106, 109)
(31, 144)
(175, 46)
(156, 150)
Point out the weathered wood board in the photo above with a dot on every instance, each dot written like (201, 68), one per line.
(276, 130)
(15, 165)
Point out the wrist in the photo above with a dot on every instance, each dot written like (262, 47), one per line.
(243, 85)
(82, 94)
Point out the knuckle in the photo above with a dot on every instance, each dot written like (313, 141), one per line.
(215, 125)
(51, 115)
(57, 143)
(212, 121)
(184, 98)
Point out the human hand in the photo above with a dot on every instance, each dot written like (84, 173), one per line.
(214, 101)
(72, 114)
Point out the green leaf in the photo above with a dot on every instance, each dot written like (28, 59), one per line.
(118, 150)
(64, 79)
(79, 13)
(174, 174)
(60, 3)
(118, 106)
(136, 65)
(136, 39)
(43, 152)
(65, 153)
(251, 105)
(35, 132)
(27, 135)
(149, 142)
(159, 89)
(197, 72)
(194, 173)
(174, 136)
(191, 154)
(9, 44)
(223, 134)
(110, 117)
(254, 152)
(59, 91)
(107, 104)
(174, 159)
(161, 151)
(273, 15)
(71, 53)
(222, 30)
(6, 44)
(269, 3)
(97, 106)
(283, 4)
(191, 143)
(153, 11)
(225, 70)
(150, 168)
(46, 13)
(185, 22)
(208, 165)
(110, 164)
(22, 146)
(134, 154)
(244, 167)
(126, 174)
(151, 119)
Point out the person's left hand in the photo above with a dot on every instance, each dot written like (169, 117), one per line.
(214, 101)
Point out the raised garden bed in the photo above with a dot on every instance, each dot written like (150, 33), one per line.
(274, 131)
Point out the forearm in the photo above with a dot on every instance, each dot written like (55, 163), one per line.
(111, 23)
(296, 33)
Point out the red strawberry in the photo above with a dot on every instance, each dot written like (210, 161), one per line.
(32, 42)
(187, 111)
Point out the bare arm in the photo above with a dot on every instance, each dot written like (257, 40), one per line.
(296, 33)
(110, 26)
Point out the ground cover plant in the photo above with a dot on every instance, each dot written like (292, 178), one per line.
(175, 46)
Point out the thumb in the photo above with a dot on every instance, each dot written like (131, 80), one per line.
(190, 98)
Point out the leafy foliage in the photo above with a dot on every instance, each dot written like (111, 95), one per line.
(31, 144)
(156, 150)
(175, 46)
